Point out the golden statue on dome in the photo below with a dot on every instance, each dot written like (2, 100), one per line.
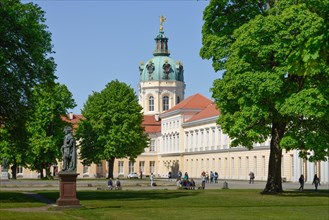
(162, 19)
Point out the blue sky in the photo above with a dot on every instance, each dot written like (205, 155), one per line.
(99, 41)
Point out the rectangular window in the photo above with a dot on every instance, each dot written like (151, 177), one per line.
(141, 166)
(192, 141)
(85, 169)
(201, 142)
(196, 140)
(186, 141)
(165, 103)
(226, 167)
(219, 137)
(19, 169)
(240, 166)
(152, 145)
(212, 137)
(207, 139)
(131, 166)
(99, 168)
(151, 103)
(247, 165)
(264, 166)
(120, 167)
(152, 166)
(292, 165)
(225, 141)
(255, 165)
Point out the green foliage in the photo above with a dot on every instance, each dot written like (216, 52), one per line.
(24, 55)
(112, 125)
(276, 71)
(25, 61)
(275, 84)
(45, 124)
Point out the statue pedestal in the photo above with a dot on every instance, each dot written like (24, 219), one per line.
(4, 174)
(67, 187)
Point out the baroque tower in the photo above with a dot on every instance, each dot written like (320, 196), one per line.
(161, 83)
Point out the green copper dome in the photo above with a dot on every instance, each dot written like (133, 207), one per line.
(161, 67)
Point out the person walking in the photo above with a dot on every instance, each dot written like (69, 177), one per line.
(110, 184)
(316, 182)
(251, 177)
(211, 177)
(216, 177)
(301, 182)
(203, 180)
(152, 179)
(117, 184)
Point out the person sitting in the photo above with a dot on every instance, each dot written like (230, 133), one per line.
(178, 183)
(192, 184)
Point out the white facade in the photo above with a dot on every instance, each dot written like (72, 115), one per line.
(152, 95)
(201, 145)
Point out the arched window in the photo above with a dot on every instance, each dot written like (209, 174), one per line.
(151, 103)
(177, 100)
(165, 103)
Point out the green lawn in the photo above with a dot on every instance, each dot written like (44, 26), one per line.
(171, 204)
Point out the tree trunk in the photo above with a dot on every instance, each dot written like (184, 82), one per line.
(14, 171)
(48, 174)
(274, 180)
(41, 173)
(110, 168)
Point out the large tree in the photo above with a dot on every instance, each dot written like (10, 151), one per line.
(112, 126)
(45, 126)
(25, 61)
(275, 58)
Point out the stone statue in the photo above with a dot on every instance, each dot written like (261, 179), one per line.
(69, 152)
(4, 164)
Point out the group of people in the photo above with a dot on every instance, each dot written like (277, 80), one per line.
(116, 185)
(315, 182)
(185, 182)
(208, 178)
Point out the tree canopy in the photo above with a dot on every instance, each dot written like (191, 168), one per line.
(45, 126)
(275, 59)
(25, 61)
(112, 126)
(31, 103)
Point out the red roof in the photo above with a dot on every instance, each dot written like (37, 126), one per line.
(74, 121)
(151, 125)
(196, 101)
(210, 111)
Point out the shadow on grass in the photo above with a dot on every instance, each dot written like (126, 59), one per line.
(134, 195)
(124, 195)
(16, 197)
(307, 193)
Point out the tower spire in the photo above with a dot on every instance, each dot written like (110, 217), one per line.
(162, 19)
(161, 41)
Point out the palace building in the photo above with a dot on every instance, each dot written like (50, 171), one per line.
(184, 135)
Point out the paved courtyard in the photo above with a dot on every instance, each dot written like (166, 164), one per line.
(138, 184)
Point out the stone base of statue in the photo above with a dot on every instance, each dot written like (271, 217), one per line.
(67, 187)
(4, 174)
